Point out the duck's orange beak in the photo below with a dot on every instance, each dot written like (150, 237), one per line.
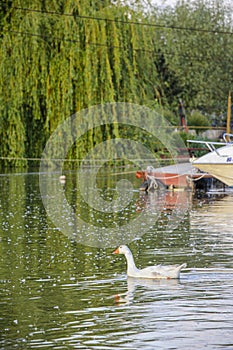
(116, 251)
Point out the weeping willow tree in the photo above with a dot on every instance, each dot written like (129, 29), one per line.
(60, 57)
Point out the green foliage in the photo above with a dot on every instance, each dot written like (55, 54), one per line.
(59, 57)
(197, 55)
(198, 119)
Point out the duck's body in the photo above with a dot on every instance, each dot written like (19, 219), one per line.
(158, 271)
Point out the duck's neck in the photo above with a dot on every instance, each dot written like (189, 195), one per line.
(131, 267)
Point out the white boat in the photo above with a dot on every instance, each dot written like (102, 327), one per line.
(219, 161)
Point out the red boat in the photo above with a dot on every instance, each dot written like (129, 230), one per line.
(173, 176)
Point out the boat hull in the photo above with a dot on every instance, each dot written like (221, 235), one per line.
(218, 163)
(222, 172)
(177, 175)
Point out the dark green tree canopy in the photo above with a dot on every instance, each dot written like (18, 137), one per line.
(58, 57)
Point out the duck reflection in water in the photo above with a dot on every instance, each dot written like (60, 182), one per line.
(155, 285)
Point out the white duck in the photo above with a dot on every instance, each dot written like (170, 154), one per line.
(158, 271)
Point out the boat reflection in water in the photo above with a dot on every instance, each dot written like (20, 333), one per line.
(215, 211)
(159, 201)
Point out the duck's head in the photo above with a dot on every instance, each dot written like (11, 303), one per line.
(122, 249)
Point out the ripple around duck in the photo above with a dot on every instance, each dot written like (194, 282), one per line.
(195, 312)
(156, 314)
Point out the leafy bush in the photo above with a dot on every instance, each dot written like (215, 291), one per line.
(198, 120)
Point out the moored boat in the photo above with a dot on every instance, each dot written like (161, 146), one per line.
(179, 175)
(219, 161)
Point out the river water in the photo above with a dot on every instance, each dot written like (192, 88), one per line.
(57, 293)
